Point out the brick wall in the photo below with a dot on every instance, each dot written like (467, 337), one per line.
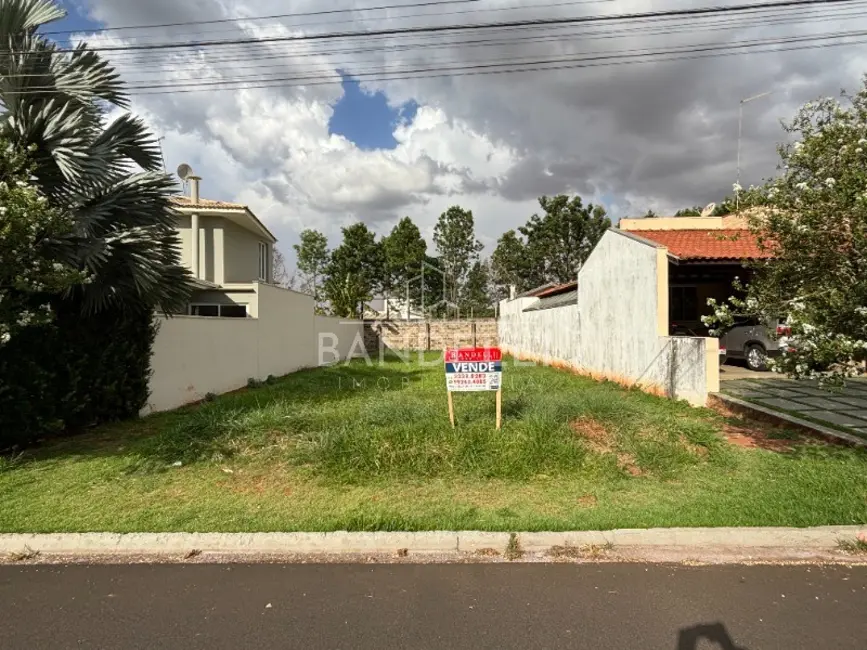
(430, 335)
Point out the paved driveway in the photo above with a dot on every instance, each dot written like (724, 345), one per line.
(844, 409)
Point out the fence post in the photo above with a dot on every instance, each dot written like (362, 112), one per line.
(427, 336)
(473, 325)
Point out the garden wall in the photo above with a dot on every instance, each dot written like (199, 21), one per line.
(430, 335)
(194, 356)
(618, 328)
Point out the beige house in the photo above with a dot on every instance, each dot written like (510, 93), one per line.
(228, 251)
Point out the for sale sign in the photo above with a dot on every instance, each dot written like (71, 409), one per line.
(471, 369)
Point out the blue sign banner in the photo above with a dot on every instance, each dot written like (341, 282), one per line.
(474, 366)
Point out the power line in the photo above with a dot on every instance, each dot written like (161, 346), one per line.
(580, 61)
(271, 17)
(400, 31)
(160, 66)
(438, 14)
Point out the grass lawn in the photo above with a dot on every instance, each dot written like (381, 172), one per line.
(357, 447)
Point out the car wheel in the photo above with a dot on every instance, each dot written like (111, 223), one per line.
(757, 358)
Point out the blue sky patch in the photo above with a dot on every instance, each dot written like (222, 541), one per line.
(366, 119)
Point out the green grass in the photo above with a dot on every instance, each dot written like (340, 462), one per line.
(353, 447)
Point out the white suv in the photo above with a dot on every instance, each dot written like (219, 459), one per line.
(755, 342)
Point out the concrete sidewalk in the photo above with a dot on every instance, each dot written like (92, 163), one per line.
(704, 544)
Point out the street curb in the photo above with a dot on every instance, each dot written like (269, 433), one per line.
(748, 408)
(822, 538)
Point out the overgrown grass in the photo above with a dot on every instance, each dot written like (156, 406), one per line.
(362, 447)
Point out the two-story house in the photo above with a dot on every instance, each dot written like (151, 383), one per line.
(227, 249)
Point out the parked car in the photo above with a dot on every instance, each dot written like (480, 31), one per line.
(755, 342)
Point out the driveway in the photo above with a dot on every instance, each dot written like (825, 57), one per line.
(844, 409)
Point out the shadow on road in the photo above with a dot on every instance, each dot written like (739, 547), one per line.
(690, 637)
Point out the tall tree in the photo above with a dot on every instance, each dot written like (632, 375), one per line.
(510, 265)
(458, 248)
(813, 220)
(404, 251)
(56, 103)
(476, 299)
(313, 257)
(562, 238)
(354, 272)
(282, 278)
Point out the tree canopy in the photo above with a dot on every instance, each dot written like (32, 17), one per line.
(458, 249)
(355, 271)
(312, 259)
(813, 219)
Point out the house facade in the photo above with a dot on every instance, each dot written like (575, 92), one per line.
(228, 250)
(705, 256)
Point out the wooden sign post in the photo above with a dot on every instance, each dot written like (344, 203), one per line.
(474, 369)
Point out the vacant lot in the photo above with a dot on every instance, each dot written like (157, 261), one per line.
(363, 447)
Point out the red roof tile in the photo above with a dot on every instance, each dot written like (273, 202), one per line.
(707, 244)
(559, 288)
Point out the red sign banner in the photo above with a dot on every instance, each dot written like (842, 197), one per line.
(474, 354)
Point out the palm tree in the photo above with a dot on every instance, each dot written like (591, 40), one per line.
(107, 177)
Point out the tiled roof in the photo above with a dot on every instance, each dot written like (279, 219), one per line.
(707, 244)
(569, 297)
(559, 288)
(184, 201)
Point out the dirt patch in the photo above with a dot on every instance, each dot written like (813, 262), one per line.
(591, 551)
(487, 552)
(595, 433)
(587, 501)
(601, 440)
(753, 438)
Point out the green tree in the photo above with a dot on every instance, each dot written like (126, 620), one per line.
(510, 265)
(354, 272)
(123, 233)
(313, 257)
(458, 248)
(35, 258)
(694, 211)
(813, 220)
(476, 299)
(404, 251)
(560, 241)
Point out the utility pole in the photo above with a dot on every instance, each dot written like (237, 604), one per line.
(740, 134)
(162, 157)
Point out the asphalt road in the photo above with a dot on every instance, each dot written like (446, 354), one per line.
(378, 607)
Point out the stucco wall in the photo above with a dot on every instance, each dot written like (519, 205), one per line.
(618, 329)
(338, 338)
(194, 356)
(241, 256)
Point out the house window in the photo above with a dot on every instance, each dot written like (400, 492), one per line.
(263, 261)
(225, 311)
(684, 304)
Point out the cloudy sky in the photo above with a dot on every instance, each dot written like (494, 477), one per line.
(321, 133)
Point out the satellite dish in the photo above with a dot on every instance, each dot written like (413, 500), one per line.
(184, 171)
(708, 211)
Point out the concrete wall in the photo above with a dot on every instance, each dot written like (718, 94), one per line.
(338, 338)
(618, 330)
(194, 356)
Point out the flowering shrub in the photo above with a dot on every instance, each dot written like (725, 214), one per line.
(813, 218)
(32, 264)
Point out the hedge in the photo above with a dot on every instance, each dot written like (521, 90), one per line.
(74, 373)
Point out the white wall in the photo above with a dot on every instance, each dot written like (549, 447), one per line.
(338, 338)
(193, 356)
(619, 328)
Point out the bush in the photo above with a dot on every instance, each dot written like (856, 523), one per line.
(74, 373)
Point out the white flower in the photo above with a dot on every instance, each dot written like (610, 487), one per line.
(58, 266)
(858, 150)
(830, 182)
(799, 146)
(4, 337)
(736, 187)
(801, 186)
